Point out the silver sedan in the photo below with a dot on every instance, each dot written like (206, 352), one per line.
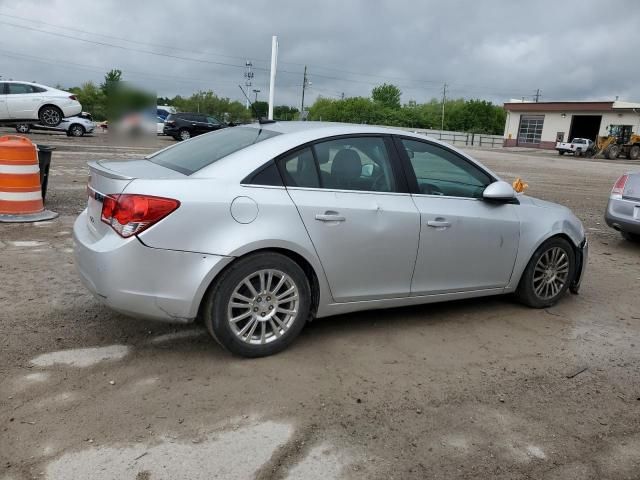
(623, 209)
(258, 229)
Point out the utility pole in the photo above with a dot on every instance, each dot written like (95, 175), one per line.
(444, 99)
(537, 95)
(256, 91)
(304, 87)
(248, 75)
(272, 75)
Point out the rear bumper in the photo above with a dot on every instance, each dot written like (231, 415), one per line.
(621, 215)
(140, 281)
(72, 109)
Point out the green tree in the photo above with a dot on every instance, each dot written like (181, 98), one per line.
(92, 99)
(387, 95)
(262, 109)
(111, 79)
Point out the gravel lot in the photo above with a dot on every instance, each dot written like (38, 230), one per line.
(473, 389)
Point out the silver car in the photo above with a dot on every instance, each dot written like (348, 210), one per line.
(623, 209)
(258, 229)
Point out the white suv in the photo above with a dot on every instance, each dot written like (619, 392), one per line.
(31, 101)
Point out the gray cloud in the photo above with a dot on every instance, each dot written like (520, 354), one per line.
(494, 50)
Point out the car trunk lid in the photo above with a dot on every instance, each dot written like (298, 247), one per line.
(111, 178)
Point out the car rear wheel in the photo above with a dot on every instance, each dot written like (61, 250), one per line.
(50, 115)
(23, 128)
(632, 237)
(185, 134)
(548, 274)
(76, 130)
(259, 305)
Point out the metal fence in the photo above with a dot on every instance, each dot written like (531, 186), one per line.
(462, 138)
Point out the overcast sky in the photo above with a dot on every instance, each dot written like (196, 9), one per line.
(494, 50)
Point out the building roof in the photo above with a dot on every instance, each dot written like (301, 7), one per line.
(519, 106)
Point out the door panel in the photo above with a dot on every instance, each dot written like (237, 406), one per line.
(465, 244)
(22, 102)
(367, 242)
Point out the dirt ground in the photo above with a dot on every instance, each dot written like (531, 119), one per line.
(474, 389)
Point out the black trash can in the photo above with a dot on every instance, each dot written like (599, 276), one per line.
(44, 160)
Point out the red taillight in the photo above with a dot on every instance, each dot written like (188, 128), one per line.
(73, 97)
(130, 214)
(618, 187)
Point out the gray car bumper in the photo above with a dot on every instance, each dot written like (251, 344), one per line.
(623, 215)
(140, 281)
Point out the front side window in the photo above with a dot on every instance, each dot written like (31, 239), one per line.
(355, 163)
(442, 172)
(213, 121)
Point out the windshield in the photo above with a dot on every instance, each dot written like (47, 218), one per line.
(199, 152)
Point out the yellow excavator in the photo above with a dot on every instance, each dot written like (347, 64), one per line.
(621, 141)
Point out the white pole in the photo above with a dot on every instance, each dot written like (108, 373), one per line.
(274, 65)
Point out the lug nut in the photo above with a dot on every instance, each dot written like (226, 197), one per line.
(262, 314)
(268, 299)
(255, 309)
(259, 299)
(270, 307)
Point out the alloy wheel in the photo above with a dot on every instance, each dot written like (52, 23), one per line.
(185, 135)
(551, 273)
(51, 116)
(263, 307)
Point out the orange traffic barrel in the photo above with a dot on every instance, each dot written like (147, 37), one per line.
(20, 189)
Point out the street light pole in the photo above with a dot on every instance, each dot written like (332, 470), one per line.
(256, 91)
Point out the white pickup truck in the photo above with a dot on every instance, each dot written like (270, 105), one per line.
(578, 146)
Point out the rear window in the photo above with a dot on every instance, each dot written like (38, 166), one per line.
(199, 152)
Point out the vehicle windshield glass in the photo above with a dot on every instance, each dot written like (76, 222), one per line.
(199, 152)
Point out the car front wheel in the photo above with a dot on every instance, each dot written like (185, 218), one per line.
(50, 115)
(76, 130)
(259, 305)
(548, 274)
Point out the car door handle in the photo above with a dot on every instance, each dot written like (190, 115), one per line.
(439, 223)
(330, 217)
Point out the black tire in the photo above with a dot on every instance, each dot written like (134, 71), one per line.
(560, 152)
(612, 152)
(76, 130)
(176, 138)
(526, 292)
(578, 152)
(631, 237)
(23, 128)
(634, 152)
(215, 308)
(184, 134)
(50, 116)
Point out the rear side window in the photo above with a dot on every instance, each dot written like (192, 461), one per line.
(299, 169)
(190, 156)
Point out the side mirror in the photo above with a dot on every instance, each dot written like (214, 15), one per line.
(499, 192)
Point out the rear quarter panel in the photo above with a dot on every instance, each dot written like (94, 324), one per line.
(204, 222)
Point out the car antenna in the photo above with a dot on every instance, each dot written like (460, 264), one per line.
(261, 120)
